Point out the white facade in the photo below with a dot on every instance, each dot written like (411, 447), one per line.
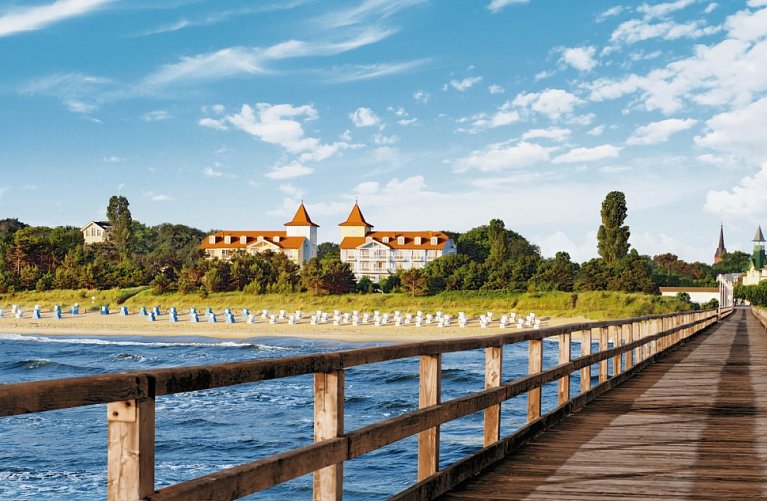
(95, 232)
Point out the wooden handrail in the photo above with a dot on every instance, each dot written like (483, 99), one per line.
(130, 396)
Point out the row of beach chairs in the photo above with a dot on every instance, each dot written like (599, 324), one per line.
(336, 317)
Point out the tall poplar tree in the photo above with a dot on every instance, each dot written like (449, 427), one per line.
(613, 235)
(122, 223)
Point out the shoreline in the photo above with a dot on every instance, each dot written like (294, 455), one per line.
(114, 324)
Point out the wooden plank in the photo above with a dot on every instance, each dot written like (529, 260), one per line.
(429, 393)
(534, 366)
(328, 424)
(565, 355)
(493, 373)
(130, 449)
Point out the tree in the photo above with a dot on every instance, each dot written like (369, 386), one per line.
(328, 249)
(122, 223)
(557, 274)
(413, 281)
(613, 236)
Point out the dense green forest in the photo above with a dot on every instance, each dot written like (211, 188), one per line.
(490, 257)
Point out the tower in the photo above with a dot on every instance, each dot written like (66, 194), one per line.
(355, 225)
(302, 226)
(721, 250)
(758, 258)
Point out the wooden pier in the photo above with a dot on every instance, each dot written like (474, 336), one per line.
(686, 428)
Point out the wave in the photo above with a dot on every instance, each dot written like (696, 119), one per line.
(44, 364)
(156, 344)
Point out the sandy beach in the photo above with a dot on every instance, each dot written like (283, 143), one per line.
(114, 324)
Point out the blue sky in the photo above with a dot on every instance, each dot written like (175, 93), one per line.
(434, 114)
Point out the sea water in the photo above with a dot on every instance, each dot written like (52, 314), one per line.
(62, 454)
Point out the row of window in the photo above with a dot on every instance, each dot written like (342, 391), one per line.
(401, 240)
(399, 254)
(243, 239)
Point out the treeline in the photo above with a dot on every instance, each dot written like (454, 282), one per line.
(490, 257)
(754, 294)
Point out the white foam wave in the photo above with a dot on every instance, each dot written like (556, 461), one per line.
(157, 344)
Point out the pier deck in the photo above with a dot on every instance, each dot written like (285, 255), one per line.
(691, 426)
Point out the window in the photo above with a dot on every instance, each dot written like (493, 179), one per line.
(227, 240)
(224, 252)
(385, 240)
(276, 238)
(418, 240)
(243, 239)
(401, 240)
(212, 239)
(434, 240)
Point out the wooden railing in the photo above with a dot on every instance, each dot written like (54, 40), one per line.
(130, 399)
(761, 314)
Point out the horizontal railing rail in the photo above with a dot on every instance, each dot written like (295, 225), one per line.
(130, 399)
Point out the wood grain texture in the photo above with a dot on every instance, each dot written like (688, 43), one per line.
(328, 424)
(690, 427)
(492, 415)
(429, 394)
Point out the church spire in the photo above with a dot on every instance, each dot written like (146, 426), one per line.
(721, 250)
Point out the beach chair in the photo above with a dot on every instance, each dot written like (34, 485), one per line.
(211, 318)
(366, 318)
(251, 318)
(150, 317)
(313, 320)
(194, 318)
(272, 319)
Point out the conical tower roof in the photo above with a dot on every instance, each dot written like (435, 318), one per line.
(721, 250)
(356, 218)
(759, 237)
(301, 218)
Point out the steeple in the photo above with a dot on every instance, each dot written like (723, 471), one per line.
(721, 250)
(301, 218)
(355, 225)
(758, 258)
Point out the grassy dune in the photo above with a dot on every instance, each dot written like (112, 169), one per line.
(593, 305)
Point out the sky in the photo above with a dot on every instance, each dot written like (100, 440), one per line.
(434, 115)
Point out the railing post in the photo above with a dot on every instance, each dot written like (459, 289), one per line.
(565, 355)
(586, 350)
(603, 346)
(328, 423)
(130, 449)
(534, 366)
(493, 372)
(429, 393)
(627, 337)
(615, 333)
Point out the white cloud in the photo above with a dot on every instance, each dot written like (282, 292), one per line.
(346, 135)
(421, 96)
(664, 8)
(596, 131)
(660, 132)
(213, 123)
(156, 116)
(498, 5)
(21, 19)
(554, 133)
(293, 169)
(639, 30)
(407, 121)
(364, 117)
(358, 72)
(496, 89)
(577, 155)
(382, 140)
(611, 12)
(216, 172)
(580, 58)
(553, 103)
(739, 132)
(157, 197)
(748, 199)
(113, 159)
(366, 12)
(76, 106)
(239, 60)
(711, 7)
(500, 156)
(275, 124)
(465, 84)
(325, 151)
(504, 116)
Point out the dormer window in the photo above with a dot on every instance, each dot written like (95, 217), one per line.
(243, 239)
(212, 239)
(276, 239)
(418, 240)
(385, 240)
(260, 238)
(401, 240)
(227, 239)
(434, 240)
(368, 240)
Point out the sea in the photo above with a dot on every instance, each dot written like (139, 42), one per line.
(62, 454)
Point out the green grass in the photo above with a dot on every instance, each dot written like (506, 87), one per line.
(593, 305)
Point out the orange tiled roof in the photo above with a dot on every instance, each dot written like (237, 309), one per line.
(393, 243)
(301, 218)
(355, 218)
(251, 237)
